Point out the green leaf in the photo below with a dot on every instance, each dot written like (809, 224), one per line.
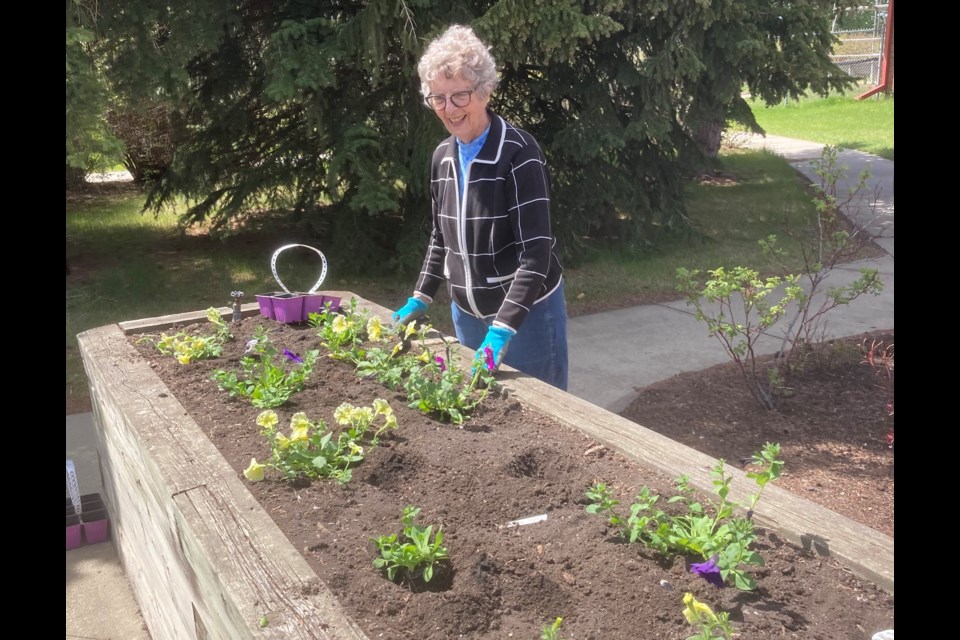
(743, 581)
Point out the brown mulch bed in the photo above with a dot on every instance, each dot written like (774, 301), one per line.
(508, 462)
(831, 421)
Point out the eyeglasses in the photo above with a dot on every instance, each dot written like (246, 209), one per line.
(459, 99)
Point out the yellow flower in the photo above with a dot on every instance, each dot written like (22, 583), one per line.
(339, 324)
(374, 328)
(696, 611)
(363, 415)
(397, 349)
(184, 359)
(343, 413)
(299, 433)
(688, 612)
(424, 357)
(267, 419)
(411, 329)
(282, 441)
(382, 407)
(356, 449)
(254, 473)
(391, 422)
(299, 419)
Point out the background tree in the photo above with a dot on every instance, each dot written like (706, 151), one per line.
(773, 50)
(313, 109)
(90, 143)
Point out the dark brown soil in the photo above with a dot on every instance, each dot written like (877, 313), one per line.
(510, 462)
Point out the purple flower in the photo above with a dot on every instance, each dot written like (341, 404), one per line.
(709, 571)
(443, 367)
(292, 356)
(491, 363)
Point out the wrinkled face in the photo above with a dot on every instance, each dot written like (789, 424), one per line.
(466, 122)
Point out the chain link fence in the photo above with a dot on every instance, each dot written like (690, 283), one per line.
(861, 31)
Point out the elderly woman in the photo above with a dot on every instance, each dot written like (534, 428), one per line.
(491, 238)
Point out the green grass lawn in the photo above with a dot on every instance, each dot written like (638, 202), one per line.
(840, 121)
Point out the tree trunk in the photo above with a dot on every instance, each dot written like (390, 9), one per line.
(76, 178)
(707, 136)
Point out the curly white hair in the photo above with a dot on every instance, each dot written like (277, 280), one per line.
(458, 51)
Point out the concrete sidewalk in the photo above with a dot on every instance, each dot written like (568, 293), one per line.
(100, 602)
(612, 355)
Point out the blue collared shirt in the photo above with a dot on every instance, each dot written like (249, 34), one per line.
(468, 153)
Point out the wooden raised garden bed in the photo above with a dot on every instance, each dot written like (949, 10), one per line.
(206, 561)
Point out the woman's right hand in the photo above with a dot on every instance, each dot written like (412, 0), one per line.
(414, 309)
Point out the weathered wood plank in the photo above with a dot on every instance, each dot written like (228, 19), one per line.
(165, 322)
(196, 543)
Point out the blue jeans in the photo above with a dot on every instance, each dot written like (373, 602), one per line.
(540, 347)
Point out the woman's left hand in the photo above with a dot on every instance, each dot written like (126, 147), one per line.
(496, 340)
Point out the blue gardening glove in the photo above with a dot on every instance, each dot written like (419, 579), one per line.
(414, 308)
(497, 339)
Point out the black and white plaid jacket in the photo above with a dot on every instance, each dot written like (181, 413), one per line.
(496, 252)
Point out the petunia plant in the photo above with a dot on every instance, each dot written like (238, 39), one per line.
(414, 553)
(343, 332)
(387, 357)
(268, 378)
(311, 450)
(713, 533)
(187, 348)
(442, 388)
(711, 625)
(434, 383)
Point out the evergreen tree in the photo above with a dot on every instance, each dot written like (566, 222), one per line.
(314, 108)
(90, 143)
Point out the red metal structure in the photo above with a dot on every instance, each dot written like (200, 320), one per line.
(886, 62)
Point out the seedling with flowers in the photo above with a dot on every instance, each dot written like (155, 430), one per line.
(391, 366)
(268, 377)
(442, 388)
(434, 384)
(187, 348)
(415, 554)
(714, 534)
(343, 332)
(712, 625)
(311, 451)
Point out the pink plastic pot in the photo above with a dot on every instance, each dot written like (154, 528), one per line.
(74, 529)
(93, 523)
(288, 308)
(266, 305)
(294, 307)
(96, 526)
(315, 303)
